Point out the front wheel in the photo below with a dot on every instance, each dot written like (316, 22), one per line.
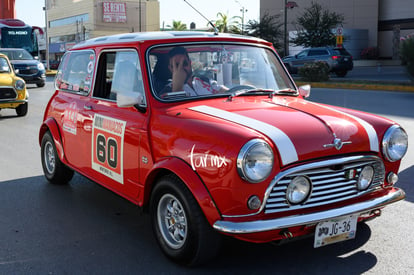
(21, 110)
(55, 171)
(179, 225)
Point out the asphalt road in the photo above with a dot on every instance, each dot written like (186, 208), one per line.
(82, 228)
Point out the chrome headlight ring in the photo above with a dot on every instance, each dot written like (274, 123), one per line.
(19, 85)
(395, 143)
(255, 161)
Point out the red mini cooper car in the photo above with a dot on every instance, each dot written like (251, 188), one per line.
(211, 136)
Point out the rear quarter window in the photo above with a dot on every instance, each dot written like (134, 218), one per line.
(75, 72)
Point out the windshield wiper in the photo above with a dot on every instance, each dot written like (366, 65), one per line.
(246, 91)
(286, 91)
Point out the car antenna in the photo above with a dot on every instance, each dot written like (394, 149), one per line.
(209, 21)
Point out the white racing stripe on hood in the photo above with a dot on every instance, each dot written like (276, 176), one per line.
(372, 134)
(285, 146)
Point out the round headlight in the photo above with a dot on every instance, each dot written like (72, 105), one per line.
(365, 178)
(255, 161)
(395, 143)
(19, 85)
(298, 190)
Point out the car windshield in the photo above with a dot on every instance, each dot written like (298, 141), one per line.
(4, 65)
(206, 70)
(18, 54)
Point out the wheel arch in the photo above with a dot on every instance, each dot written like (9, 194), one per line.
(181, 169)
(51, 126)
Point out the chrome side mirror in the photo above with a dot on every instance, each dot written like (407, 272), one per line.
(304, 90)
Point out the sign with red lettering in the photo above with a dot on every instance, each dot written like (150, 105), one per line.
(114, 12)
(107, 147)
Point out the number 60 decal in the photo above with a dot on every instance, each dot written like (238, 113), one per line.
(107, 147)
(107, 151)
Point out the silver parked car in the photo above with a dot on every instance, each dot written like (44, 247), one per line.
(339, 60)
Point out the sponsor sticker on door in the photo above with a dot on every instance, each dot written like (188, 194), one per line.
(107, 146)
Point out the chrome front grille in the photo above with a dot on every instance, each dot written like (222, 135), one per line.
(330, 182)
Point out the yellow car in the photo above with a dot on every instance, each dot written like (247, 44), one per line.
(13, 94)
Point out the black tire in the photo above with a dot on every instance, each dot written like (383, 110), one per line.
(40, 84)
(22, 109)
(341, 73)
(179, 225)
(54, 170)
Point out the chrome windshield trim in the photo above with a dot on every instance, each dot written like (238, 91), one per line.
(298, 220)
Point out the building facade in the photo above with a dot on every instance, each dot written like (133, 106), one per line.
(72, 21)
(368, 23)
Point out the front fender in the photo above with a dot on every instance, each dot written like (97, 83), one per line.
(51, 126)
(190, 178)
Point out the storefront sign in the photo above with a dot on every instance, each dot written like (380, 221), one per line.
(114, 12)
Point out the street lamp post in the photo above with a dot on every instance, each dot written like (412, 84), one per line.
(243, 10)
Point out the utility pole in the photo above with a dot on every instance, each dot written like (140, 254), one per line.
(46, 37)
(285, 44)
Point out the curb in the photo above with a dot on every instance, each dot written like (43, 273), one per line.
(51, 73)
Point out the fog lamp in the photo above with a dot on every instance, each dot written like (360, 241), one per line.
(392, 178)
(298, 190)
(254, 202)
(365, 178)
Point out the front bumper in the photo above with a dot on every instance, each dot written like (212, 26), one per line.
(308, 219)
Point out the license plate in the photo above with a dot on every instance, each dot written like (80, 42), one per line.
(336, 230)
(346, 58)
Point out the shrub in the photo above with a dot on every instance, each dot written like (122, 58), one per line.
(407, 54)
(315, 72)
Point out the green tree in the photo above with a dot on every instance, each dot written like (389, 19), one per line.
(224, 23)
(268, 28)
(178, 26)
(314, 27)
(407, 53)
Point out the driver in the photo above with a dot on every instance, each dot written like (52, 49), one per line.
(183, 79)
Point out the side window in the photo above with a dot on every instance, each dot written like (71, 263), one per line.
(76, 71)
(318, 52)
(118, 72)
(302, 54)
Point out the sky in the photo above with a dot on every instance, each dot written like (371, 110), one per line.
(31, 11)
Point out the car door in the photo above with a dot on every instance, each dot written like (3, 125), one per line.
(301, 59)
(73, 82)
(113, 132)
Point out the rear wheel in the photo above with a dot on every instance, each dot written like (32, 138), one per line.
(55, 171)
(40, 84)
(21, 110)
(179, 225)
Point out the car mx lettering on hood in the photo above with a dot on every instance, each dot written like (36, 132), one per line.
(288, 153)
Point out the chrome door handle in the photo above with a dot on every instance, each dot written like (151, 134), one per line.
(87, 107)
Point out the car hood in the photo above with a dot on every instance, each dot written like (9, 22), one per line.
(6, 79)
(26, 62)
(299, 129)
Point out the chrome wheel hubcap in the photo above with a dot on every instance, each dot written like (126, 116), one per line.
(172, 221)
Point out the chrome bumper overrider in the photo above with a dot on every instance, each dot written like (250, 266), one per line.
(305, 219)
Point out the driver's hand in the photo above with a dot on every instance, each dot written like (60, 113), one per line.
(181, 71)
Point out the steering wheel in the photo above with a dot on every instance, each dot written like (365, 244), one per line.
(240, 87)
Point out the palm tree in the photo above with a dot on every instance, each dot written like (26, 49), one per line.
(178, 26)
(226, 24)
